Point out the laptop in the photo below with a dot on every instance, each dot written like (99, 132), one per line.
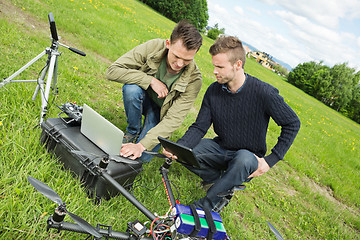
(185, 155)
(100, 131)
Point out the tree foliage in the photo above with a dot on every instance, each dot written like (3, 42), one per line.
(337, 87)
(281, 70)
(214, 32)
(195, 11)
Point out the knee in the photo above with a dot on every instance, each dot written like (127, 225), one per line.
(245, 159)
(207, 146)
(132, 92)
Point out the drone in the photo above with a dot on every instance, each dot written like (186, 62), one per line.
(182, 223)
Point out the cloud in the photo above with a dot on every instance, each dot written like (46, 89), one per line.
(219, 15)
(313, 30)
(254, 11)
(265, 39)
(239, 10)
(291, 32)
(216, 8)
(323, 12)
(317, 41)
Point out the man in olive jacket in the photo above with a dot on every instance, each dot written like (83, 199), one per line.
(161, 82)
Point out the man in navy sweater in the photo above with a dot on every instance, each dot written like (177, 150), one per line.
(239, 107)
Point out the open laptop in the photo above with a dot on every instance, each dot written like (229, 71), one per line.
(185, 155)
(100, 131)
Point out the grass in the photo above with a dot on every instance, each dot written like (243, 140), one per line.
(312, 194)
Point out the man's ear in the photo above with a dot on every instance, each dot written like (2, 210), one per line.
(167, 43)
(238, 64)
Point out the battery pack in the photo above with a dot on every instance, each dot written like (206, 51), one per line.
(182, 209)
(185, 222)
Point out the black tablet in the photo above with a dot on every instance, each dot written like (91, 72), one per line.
(185, 155)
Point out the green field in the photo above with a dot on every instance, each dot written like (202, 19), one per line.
(314, 193)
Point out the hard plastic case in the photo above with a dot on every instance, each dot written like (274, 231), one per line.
(60, 138)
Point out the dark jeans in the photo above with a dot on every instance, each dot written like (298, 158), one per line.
(224, 168)
(137, 103)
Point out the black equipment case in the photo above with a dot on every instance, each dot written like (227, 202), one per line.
(60, 138)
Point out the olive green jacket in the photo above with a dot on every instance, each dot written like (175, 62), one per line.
(138, 66)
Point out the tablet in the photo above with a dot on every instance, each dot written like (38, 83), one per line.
(185, 155)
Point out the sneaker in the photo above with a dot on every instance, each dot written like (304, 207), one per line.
(129, 138)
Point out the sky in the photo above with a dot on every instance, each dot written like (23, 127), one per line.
(294, 31)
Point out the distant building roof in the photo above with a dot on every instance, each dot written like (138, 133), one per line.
(247, 49)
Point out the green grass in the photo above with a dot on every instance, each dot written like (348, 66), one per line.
(314, 193)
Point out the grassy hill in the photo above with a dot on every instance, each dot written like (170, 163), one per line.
(314, 193)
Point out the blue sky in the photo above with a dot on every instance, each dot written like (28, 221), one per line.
(294, 31)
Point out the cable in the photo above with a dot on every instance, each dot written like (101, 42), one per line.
(177, 190)
(37, 80)
(151, 226)
(160, 230)
(147, 187)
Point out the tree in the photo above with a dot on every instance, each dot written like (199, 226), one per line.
(343, 84)
(195, 11)
(215, 32)
(198, 15)
(354, 109)
(321, 85)
(281, 70)
(337, 87)
(301, 75)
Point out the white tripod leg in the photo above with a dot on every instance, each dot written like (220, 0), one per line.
(45, 94)
(55, 77)
(10, 78)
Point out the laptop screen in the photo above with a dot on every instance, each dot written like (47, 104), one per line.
(100, 131)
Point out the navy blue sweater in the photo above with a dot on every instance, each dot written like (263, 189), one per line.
(241, 119)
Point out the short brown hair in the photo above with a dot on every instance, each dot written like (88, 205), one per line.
(231, 45)
(188, 33)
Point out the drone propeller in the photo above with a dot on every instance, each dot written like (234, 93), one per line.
(53, 196)
(115, 158)
(45, 190)
(276, 233)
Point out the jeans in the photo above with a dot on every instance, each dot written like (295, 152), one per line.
(224, 168)
(137, 103)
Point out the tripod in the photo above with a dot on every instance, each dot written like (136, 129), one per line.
(50, 70)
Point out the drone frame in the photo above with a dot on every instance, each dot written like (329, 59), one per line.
(56, 220)
(135, 230)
